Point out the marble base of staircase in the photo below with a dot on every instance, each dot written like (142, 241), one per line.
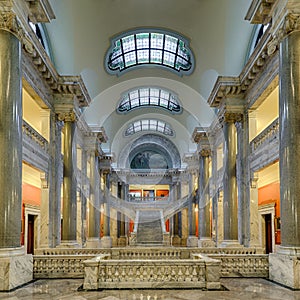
(176, 241)
(192, 241)
(106, 242)
(122, 241)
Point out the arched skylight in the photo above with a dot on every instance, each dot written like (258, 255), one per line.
(149, 125)
(149, 47)
(149, 96)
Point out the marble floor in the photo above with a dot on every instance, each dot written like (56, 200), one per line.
(238, 288)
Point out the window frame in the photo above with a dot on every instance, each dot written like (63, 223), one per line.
(149, 64)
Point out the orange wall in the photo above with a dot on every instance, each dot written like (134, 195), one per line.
(30, 195)
(271, 194)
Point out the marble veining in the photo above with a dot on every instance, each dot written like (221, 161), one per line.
(236, 289)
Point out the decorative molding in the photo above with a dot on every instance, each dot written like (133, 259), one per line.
(10, 22)
(40, 11)
(205, 152)
(67, 116)
(229, 117)
(260, 11)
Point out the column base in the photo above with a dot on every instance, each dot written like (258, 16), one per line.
(166, 239)
(285, 268)
(106, 242)
(192, 241)
(68, 244)
(176, 241)
(122, 241)
(16, 268)
(206, 243)
(230, 244)
(93, 242)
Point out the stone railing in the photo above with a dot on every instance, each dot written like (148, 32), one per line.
(35, 136)
(58, 262)
(241, 265)
(146, 199)
(104, 272)
(266, 136)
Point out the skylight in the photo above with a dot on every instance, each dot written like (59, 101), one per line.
(149, 125)
(149, 97)
(153, 47)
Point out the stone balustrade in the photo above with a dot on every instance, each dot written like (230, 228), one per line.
(34, 136)
(265, 147)
(266, 136)
(103, 272)
(67, 262)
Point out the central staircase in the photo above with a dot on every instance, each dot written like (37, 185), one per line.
(149, 230)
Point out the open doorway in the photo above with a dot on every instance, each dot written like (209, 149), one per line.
(268, 233)
(32, 228)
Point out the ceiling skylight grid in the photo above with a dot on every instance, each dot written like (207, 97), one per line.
(151, 97)
(152, 48)
(149, 125)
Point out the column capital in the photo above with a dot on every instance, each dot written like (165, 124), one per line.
(205, 153)
(230, 117)
(69, 116)
(9, 22)
(199, 134)
(289, 24)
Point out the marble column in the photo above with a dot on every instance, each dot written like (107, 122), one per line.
(93, 240)
(16, 267)
(230, 210)
(106, 241)
(204, 223)
(176, 240)
(11, 140)
(69, 182)
(192, 240)
(284, 265)
(55, 180)
(122, 241)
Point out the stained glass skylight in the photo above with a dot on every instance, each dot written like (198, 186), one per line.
(149, 125)
(149, 96)
(153, 47)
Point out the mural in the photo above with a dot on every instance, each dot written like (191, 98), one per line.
(149, 160)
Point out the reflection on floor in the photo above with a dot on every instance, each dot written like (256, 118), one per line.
(64, 289)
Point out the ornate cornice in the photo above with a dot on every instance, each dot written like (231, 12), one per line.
(40, 11)
(260, 11)
(198, 134)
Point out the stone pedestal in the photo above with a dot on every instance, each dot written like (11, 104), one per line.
(230, 244)
(166, 239)
(206, 243)
(16, 268)
(192, 241)
(122, 241)
(106, 242)
(68, 244)
(285, 269)
(93, 243)
(176, 241)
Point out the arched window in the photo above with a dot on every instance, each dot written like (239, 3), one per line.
(149, 47)
(257, 34)
(149, 97)
(40, 33)
(149, 125)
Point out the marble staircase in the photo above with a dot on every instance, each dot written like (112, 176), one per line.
(149, 230)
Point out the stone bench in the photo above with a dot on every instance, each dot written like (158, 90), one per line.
(103, 272)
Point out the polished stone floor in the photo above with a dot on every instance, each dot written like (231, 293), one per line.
(66, 289)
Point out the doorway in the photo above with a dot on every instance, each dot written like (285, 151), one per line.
(268, 233)
(30, 234)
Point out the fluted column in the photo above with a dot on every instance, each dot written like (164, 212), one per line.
(69, 180)
(10, 140)
(230, 212)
